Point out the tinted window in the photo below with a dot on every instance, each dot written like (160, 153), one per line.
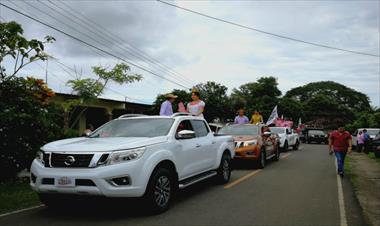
(239, 130)
(184, 125)
(200, 128)
(316, 132)
(143, 127)
(277, 129)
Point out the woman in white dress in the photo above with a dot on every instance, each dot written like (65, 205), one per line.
(197, 106)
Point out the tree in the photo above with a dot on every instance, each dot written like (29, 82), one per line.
(89, 89)
(291, 108)
(216, 99)
(329, 103)
(262, 95)
(27, 121)
(15, 46)
(340, 94)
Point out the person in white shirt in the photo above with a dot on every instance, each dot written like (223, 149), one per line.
(196, 107)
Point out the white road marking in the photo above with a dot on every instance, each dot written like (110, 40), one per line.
(342, 210)
(22, 210)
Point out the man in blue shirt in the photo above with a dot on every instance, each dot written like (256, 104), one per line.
(366, 140)
(166, 107)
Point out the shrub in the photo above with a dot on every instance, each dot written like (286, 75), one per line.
(27, 121)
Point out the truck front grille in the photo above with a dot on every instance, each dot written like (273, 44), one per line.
(70, 160)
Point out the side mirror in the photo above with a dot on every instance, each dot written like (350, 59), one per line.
(185, 134)
(267, 133)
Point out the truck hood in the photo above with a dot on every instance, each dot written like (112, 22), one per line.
(85, 144)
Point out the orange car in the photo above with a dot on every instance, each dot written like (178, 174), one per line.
(253, 142)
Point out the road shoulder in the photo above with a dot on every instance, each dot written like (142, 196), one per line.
(365, 176)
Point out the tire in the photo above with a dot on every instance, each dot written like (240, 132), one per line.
(286, 146)
(224, 170)
(295, 147)
(277, 155)
(160, 190)
(262, 160)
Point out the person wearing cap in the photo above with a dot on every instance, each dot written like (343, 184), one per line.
(166, 107)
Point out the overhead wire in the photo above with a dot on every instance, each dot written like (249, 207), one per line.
(266, 32)
(120, 41)
(92, 45)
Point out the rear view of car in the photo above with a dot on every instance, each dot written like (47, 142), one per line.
(316, 136)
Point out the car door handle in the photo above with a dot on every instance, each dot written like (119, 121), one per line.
(198, 146)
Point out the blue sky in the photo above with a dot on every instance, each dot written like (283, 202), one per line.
(204, 50)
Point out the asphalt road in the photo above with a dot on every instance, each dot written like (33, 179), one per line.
(300, 189)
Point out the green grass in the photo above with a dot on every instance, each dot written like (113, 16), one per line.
(372, 156)
(348, 168)
(17, 195)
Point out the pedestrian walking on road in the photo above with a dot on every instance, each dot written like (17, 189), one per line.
(196, 107)
(256, 118)
(241, 118)
(166, 107)
(340, 143)
(360, 141)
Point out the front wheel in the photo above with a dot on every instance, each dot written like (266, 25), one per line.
(277, 155)
(296, 145)
(160, 190)
(224, 170)
(261, 160)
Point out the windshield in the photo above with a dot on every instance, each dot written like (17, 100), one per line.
(144, 127)
(373, 132)
(239, 130)
(277, 129)
(316, 132)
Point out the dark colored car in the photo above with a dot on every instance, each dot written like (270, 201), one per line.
(316, 136)
(374, 146)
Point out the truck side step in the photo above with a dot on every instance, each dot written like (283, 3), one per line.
(195, 179)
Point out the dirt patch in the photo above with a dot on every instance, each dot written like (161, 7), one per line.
(366, 179)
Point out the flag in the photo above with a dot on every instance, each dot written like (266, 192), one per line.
(299, 122)
(273, 116)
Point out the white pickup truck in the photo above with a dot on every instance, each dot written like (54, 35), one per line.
(142, 156)
(288, 138)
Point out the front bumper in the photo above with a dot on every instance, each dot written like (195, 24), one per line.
(100, 176)
(247, 153)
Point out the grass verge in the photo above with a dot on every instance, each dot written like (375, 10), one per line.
(17, 195)
(348, 168)
(372, 156)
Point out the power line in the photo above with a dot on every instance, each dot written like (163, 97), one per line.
(91, 45)
(266, 32)
(96, 34)
(117, 39)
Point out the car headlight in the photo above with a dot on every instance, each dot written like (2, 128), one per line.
(40, 156)
(250, 143)
(125, 155)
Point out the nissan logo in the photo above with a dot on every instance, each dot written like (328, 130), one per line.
(69, 160)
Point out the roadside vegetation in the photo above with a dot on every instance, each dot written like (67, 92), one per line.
(17, 195)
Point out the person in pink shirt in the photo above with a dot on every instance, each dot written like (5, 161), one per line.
(360, 140)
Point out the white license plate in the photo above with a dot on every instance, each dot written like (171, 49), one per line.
(65, 182)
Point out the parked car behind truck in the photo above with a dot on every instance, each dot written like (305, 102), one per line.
(288, 138)
(144, 156)
(253, 143)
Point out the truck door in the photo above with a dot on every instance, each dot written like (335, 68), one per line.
(207, 150)
(188, 150)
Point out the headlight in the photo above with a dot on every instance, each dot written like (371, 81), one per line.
(40, 156)
(125, 155)
(250, 143)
